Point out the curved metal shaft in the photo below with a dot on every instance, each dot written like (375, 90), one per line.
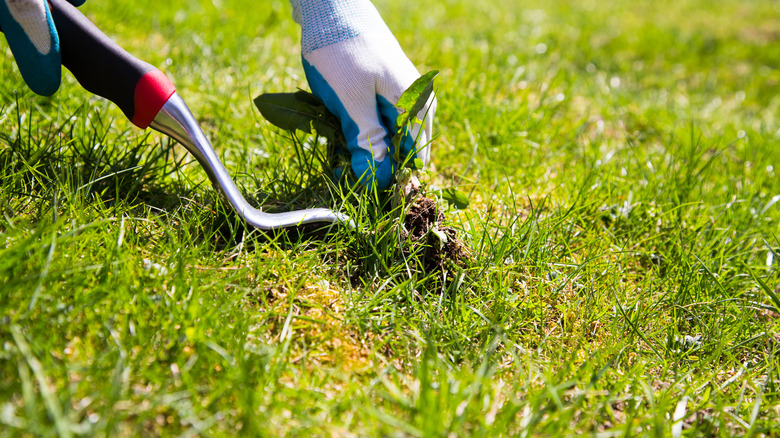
(176, 121)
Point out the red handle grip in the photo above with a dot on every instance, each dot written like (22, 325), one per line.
(105, 69)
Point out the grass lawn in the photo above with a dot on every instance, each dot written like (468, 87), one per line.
(622, 164)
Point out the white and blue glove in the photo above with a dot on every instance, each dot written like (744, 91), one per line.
(30, 32)
(356, 66)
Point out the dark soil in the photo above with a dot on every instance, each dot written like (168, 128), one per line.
(422, 217)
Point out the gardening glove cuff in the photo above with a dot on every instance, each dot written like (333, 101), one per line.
(355, 65)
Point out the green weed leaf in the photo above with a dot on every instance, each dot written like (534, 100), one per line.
(455, 197)
(299, 111)
(414, 98)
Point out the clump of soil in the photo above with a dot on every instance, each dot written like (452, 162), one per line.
(422, 215)
(423, 226)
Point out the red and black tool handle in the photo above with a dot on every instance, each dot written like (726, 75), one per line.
(105, 69)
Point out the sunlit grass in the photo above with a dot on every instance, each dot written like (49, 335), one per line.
(621, 164)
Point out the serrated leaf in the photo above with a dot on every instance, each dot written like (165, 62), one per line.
(455, 197)
(415, 97)
(298, 111)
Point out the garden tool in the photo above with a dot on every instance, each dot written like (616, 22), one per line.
(149, 99)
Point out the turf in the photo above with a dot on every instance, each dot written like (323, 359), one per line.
(621, 164)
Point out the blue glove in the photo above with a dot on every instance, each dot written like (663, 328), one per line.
(31, 34)
(356, 66)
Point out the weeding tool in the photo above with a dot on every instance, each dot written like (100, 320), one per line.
(149, 99)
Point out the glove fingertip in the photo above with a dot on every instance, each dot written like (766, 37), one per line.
(371, 173)
(35, 45)
(384, 174)
(44, 87)
(42, 74)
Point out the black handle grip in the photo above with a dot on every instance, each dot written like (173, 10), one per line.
(105, 69)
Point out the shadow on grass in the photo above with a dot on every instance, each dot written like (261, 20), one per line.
(66, 171)
(44, 168)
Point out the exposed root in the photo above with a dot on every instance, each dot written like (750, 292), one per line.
(423, 226)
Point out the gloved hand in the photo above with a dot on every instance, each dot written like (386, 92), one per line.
(31, 34)
(356, 66)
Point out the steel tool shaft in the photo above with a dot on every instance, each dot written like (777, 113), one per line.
(175, 120)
